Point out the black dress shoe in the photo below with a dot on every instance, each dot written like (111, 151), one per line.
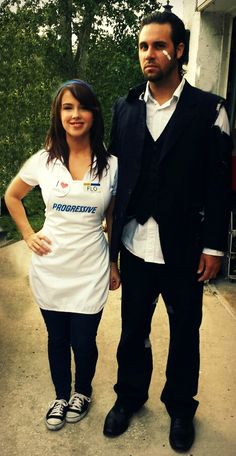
(117, 421)
(181, 434)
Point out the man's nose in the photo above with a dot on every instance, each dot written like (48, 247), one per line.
(150, 53)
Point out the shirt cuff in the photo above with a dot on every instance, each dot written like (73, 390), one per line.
(213, 252)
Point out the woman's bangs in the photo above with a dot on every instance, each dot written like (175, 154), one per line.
(84, 96)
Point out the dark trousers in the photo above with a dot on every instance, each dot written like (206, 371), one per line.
(182, 293)
(77, 331)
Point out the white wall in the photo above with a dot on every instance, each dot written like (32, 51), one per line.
(210, 39)
(213, 53)
(177, 7)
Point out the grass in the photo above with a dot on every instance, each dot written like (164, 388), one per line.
(12, 233)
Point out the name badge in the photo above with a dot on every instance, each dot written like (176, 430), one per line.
(61, 188)
(92, 187)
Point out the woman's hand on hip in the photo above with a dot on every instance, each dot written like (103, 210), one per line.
(38, 243)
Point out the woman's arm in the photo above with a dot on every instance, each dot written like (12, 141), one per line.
(114, 272)
(16, 191)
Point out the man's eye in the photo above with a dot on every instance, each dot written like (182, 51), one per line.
(143, 47)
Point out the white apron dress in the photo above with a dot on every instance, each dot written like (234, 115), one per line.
(74, 277)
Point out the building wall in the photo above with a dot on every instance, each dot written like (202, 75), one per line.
(211, 24)
(214, 51)
(210, 40)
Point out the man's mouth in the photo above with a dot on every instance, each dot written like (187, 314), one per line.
(150, 66)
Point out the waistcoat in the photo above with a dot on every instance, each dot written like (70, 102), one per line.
(144, 202)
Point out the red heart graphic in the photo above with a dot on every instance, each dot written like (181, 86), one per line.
(64, 185)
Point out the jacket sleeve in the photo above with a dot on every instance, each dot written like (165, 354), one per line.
(113, 143)
(117, 223)
(218, 189)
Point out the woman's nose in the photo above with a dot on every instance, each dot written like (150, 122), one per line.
(76, 112)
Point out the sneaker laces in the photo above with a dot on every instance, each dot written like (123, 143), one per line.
(58, 407)
(77, 401)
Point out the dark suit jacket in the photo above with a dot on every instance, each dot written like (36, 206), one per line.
(193, 185)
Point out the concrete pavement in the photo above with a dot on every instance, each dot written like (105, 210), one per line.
(26, 390)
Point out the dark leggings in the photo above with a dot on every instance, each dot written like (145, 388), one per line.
(66, 330)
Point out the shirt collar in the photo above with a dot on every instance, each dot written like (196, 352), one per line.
(148, 96)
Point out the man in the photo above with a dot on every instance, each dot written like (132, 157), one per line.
(171, 214)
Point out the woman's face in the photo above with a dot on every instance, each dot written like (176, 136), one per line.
(76, 120)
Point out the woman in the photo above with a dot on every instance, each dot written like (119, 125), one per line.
(69, 273)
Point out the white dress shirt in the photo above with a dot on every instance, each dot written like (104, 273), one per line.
(144, 240)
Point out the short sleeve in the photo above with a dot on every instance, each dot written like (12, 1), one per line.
(30, 171)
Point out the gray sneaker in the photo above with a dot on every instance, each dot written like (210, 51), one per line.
(77, 407)
(56, 415)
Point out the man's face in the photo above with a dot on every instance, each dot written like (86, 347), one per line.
(157, 55)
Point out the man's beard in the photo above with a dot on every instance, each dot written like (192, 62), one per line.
(162, 75)
(155, 77)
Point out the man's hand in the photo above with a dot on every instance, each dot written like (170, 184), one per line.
(209, 266)
(114, 277)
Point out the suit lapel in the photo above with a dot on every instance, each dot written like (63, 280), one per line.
(136, 133)
(180, 119)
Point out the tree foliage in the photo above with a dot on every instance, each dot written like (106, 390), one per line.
(43, 43)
